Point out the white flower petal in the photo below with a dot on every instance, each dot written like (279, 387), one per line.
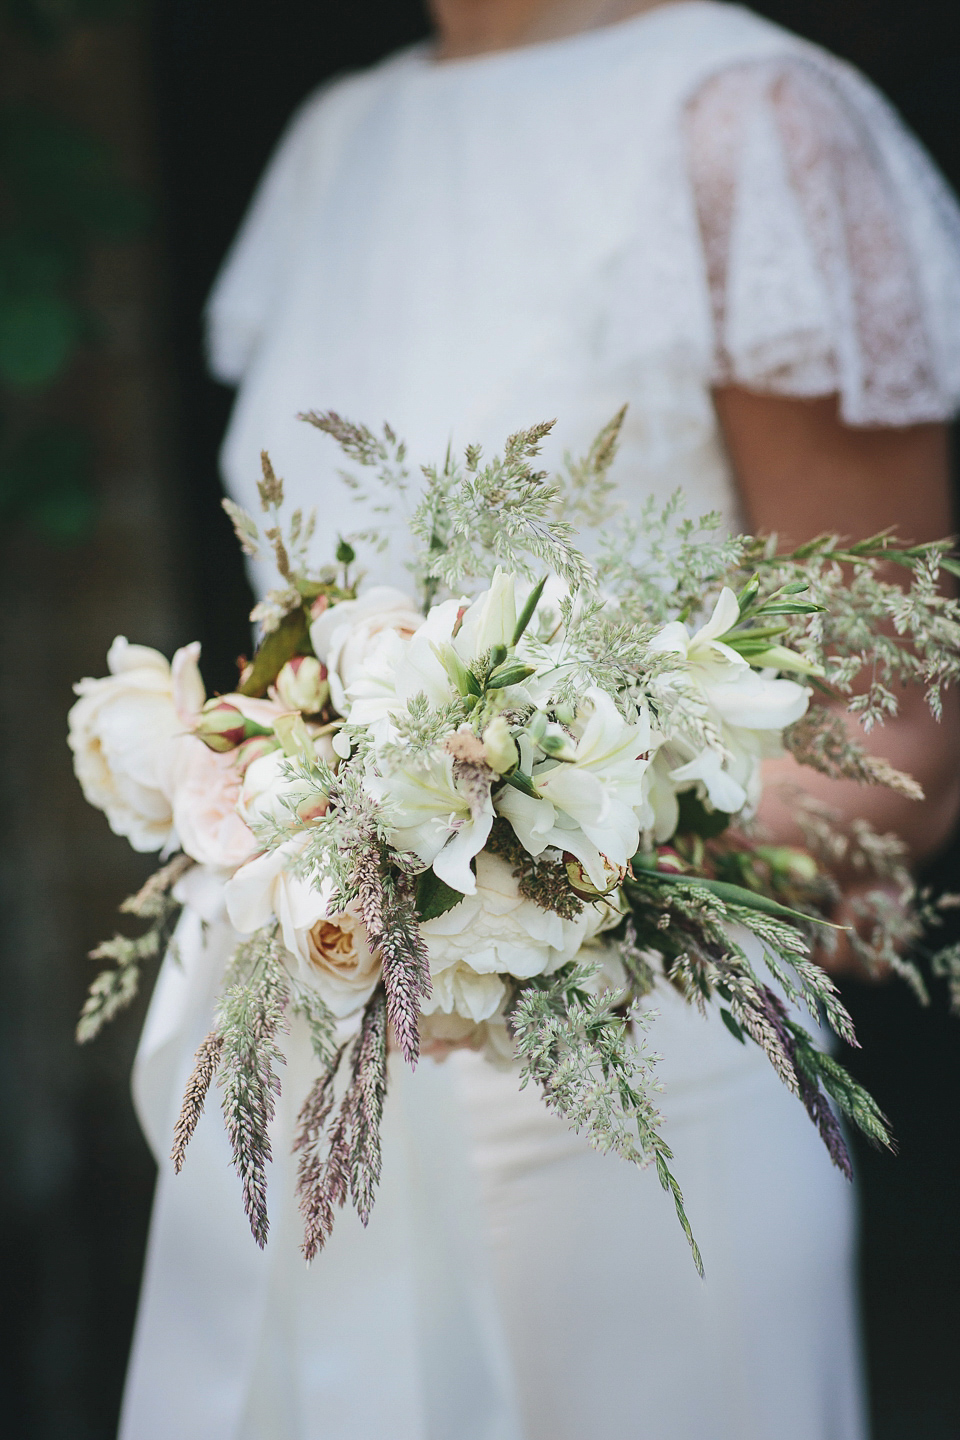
(757, 704)
(726, 614)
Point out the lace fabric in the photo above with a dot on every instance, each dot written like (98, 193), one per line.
(816, 281)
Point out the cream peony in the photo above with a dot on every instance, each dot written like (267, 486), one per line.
(122, 731)
(330, 952)
(345, 635)
(498, 930)
(206, 789)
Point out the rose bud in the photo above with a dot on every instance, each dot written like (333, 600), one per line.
(303, 685)
(669, 862)
(580, 882)
(222, 727)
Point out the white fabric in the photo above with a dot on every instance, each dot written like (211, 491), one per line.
(830, 268)
(461, 250)
(382, 1336)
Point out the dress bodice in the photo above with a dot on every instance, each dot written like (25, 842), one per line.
(462, 249)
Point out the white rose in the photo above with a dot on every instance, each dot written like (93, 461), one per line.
(330, 952)
(344, 635)
(122, 733)
(497, 931)
(270, 792)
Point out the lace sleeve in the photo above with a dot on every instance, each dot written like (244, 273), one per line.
(832, 245)
(250, 278)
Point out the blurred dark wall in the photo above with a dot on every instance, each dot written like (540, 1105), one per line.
(228, 74)
(199, 93)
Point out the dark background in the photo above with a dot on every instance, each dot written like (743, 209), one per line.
(194, 93)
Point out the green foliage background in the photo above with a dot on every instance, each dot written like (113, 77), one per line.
(61, 192)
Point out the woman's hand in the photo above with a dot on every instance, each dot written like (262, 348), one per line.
(801, 471)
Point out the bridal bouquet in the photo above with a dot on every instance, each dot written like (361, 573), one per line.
(501, 810)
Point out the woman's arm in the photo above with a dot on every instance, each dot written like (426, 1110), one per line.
(801, 472)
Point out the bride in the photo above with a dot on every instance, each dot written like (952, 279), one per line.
(559, 206)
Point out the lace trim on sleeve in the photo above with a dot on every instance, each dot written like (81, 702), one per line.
(815, 285)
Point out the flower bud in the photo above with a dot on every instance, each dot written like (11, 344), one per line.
(669, 861)
(303, 685)
(460, 676)
(294, 736)
(499, 747)
(510, 672)
(796, 864)
(222, 727)
(580, 882)
(552, 738)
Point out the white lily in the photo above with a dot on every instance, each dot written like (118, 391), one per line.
(430, 815)
(753, 703)
(589, 805)
(490, 620)
(706, 654)
(396, 671)
(709, 768)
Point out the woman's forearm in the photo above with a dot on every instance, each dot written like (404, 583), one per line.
(914, 742)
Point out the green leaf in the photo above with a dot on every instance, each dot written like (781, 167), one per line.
(38, 334)
(732, 1026)
(291, 637)
(526, 614)
(735, 895)
(434, 896)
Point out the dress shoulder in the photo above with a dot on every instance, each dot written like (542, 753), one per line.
(247, 288)
(831, 242)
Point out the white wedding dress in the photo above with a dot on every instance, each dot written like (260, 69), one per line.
(633, 214)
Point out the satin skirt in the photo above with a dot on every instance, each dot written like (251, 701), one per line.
(512, 1284)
